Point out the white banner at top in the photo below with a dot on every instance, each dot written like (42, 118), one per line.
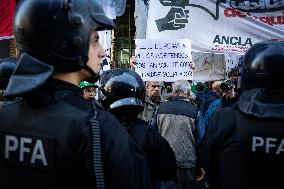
(218, 26)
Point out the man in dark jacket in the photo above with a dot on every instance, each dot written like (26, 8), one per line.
(54, 138)
(210, 96)
(245, 141)
(177, 120)
(123, 94)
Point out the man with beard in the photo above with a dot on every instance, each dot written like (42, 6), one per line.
(153, 96)
(152, 101)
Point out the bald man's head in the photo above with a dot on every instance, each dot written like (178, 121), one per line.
(216, 87)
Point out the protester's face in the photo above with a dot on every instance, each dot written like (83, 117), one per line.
(154, 89)
(89, 92)
(96, 53)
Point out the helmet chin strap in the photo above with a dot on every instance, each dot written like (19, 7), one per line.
(94, 76)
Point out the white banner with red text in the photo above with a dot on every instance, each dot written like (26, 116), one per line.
(217, 26)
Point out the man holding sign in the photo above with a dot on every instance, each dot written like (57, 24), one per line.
(160, 60)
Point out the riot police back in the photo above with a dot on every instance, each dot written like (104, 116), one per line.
(54, 138)
(245, 142)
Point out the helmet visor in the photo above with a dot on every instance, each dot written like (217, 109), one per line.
(112, 8)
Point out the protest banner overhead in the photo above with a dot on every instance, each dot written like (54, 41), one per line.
(217, 26)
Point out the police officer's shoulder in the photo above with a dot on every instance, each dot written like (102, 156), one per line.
(139, 125)
(8, 109)
(75, 109)
(77, 102)
(141, 121)
(223, 122)
(98, 105)
(110, 124)
(81, 110)
(226, 114)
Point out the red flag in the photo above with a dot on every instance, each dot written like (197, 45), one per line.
(7, 8)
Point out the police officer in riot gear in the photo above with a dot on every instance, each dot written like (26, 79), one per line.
(123, 94)
(245, 142)
(54, 138)
(122, 89)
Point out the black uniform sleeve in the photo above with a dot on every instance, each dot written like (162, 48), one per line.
(160, 156)
(124, 162)
(220, 130)
(162, 161)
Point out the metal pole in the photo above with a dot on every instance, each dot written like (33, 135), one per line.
(129, 34)
(112, 50)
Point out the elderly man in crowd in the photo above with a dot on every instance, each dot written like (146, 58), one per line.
(177, 120)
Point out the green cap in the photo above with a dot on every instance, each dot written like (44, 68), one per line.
(84, 84)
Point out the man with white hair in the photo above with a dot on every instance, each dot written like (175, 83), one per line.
(177, 120)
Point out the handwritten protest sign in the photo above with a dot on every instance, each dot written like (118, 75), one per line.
(163, 60)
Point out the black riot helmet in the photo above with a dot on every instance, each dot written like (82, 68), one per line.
(123, 91)
(7, 66)
(58, 32)
(263, 66)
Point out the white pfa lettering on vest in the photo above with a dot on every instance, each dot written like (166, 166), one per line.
(11, 144)
(267, 145)
(26, 151)
(38, 153)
